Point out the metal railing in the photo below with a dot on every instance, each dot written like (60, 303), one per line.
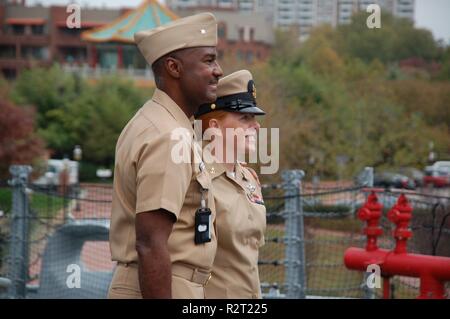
(47, 229)
(86, 71)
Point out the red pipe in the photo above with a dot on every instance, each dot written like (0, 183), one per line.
(371, 213)
(386, 288)
(433, 271)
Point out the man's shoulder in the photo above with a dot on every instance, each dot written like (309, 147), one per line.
(152, 120)
(159, 117)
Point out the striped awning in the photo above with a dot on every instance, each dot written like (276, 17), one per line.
(150, 14)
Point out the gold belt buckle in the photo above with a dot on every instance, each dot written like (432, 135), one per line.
(207, 280)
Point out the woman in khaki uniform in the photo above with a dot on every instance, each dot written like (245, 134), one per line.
(240, 210)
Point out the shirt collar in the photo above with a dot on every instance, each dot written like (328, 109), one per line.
(160, 97)
(216, 169)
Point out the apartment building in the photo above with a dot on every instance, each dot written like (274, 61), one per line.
(303, 14)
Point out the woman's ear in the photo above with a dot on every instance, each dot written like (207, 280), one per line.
(214, 123)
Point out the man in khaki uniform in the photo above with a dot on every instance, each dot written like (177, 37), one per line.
(241, 214)
(156, 197)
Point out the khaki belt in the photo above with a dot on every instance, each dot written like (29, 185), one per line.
(191, 273)
(186, 271)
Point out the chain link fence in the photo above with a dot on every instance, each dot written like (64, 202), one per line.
(52, 235)
(62, 235)
(330, 226)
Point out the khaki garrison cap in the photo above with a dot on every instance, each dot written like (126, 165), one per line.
(199, 30)
(235, 93)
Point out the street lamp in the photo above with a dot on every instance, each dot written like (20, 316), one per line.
(50, 180)
(77, 155)
(64, 181)
(431, 154)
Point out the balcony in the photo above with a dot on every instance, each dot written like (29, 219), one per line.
(246, 6)
(286, 2)
(13, 63)
(28, 39)
(96, 73)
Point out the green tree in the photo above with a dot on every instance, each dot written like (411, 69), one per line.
(72, 111)
(397, 39)
(95, 119)
(49, 91)
(99, 115)
(337, 104)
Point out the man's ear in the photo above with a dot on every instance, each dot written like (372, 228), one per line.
(173, 67)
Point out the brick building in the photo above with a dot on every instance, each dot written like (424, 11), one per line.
(39, 36)
(247, 36)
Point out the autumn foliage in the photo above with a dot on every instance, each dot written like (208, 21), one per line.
(18, 142)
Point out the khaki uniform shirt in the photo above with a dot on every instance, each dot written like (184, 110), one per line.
(147, 178)
(241, 223)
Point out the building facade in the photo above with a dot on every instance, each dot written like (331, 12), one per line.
(39, 36)
(304, 14)
(246, 36)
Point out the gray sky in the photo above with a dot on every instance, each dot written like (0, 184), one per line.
(430, 14)
(434, 15)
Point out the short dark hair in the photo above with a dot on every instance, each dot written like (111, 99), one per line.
(158, 66)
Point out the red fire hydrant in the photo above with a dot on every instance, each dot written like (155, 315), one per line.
(433, 271)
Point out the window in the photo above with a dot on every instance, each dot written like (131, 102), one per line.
(240, 55)
(7, 51)
(37, 29)
(9, 74)
(249, 57)
(33, 52)
(246, 33)
(222, 31)
(73, 54)
(70, 32)
(18, 29)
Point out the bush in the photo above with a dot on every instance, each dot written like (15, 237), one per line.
(88, 172)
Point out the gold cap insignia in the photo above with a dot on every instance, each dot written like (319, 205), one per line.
(251, 88)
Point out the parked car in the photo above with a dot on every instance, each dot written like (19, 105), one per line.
(413, 173)
(443, 166)
(53, 170)
(436, 178)
(391, 179)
